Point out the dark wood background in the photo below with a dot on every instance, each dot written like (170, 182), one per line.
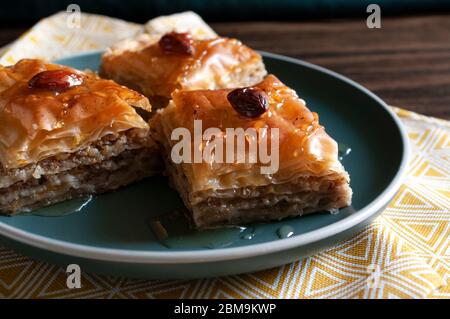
(406, 62)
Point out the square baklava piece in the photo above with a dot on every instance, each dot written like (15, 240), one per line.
(282, 163)
(157, 65)
(67, 134)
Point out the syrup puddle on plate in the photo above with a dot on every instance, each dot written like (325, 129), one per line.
(172, 231)
(62, 209)
(343, 151)
(285, 231)
(334, 211)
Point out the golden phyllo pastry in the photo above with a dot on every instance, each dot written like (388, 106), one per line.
(156, 66)
(65, 134)
(302, 175)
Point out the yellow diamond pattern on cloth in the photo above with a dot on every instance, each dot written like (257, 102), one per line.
(404, 253)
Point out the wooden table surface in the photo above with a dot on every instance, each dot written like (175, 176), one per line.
(406, 62)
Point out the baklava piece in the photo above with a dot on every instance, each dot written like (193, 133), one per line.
(66, 134)
(306, 177)
(157, 65)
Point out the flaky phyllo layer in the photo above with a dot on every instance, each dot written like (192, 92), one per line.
(304, 146)
(214, 63)
(309, 176)
(36, 124)
(65, 134)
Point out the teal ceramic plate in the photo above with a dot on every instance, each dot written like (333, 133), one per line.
(111, 234)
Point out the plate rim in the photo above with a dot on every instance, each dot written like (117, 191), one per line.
(226, 254)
